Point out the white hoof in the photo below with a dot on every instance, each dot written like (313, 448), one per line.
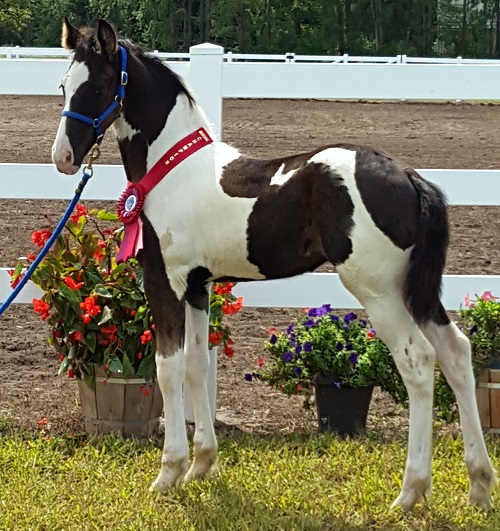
(170, 476)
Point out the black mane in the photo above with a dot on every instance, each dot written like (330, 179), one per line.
(156, 63)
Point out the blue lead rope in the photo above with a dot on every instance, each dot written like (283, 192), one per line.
(87, 174)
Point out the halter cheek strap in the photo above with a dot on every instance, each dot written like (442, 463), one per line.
(116, 104)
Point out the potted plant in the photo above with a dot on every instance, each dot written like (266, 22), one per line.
(101, 325)
(340, 358)
(481, 324)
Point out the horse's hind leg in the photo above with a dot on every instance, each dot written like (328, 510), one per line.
(454, 356)
(197, 362)
(415, 358)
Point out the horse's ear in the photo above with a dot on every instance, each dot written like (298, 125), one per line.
(106, 35)
(70, 35)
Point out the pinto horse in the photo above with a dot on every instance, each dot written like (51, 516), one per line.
(382, 225)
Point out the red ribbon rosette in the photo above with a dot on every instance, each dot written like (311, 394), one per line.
(129, 208)
(130, 203)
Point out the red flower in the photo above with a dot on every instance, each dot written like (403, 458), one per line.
(14, 283)
(42, 422)
(298, 388)
(99, 255)
(110, 333)
(232, 308)
(132, 313)
(39, 237)
(370, 335)
(261, 362)
(31, 257)
(71, 373)
(61, 356)
(90, 306)
(215, 337)
(72, 284)
(146, 337)
(86, 318)
(228, 351)
(139, 356)
(222, 289)
(76, 336)
(42, 308)
(80, 211)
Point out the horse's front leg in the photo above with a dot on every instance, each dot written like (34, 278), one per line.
(169, 317)
(197, 364)
(170, 370)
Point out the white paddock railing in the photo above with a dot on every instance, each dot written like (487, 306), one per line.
(42, 181)
(18, 52)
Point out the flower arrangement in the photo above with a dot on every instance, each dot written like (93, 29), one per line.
(322, 343)
(97, 308)
(481, 324)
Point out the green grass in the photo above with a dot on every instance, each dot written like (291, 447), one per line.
(278, 483)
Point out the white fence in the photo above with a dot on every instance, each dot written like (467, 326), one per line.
(44, 182)
(213, 75)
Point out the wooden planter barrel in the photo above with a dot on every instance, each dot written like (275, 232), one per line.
(488, 399)
(127, 407)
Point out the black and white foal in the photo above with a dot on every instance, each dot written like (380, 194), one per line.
(382, 225)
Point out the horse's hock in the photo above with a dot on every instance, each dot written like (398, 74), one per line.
(127, 407)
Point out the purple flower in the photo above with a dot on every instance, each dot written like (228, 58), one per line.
(318, 312)
(298, 349)
(248, 377)
(362, 323)
(273, 339)
(287, 357)
(290, 329)
(348, 346)
(297, 371)
(339, 346)
(310, 323)
(292, 342)
(353, 358)
(334, 318)
(372, 330)
(473, 330)
(348, 318)
(308, 346)
(336, 385)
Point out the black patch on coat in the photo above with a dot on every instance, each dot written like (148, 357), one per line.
(441, 318)
(297, 226)
(388, 195)
(196, 294)
(168, 311)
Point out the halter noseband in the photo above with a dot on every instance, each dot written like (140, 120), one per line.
(117, 103)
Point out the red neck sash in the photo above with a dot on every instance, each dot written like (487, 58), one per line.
(132, 199)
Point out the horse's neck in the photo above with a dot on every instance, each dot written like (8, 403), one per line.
(139, 152)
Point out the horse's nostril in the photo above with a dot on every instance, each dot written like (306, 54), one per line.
(68, 157)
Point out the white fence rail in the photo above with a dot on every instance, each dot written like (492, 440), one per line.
(288, 76)
(26, 181)
(17, 52)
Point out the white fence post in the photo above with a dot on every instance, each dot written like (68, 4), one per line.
(206, 81)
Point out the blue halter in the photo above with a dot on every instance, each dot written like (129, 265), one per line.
(116, 104)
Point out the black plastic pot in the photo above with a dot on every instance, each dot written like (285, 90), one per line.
(341, 410)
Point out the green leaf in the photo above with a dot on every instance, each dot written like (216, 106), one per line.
(147, 368)
(71, 353)
(103, 292)
(116, 365)
(105, 215)
(128, 369)
(106, 315)
(90, 339)
(67, 293)
(64, 366)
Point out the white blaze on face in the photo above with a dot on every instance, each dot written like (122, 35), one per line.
(62, 152)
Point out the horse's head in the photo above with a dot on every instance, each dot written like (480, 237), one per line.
(91, 88)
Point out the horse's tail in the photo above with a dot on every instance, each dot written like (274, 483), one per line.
(422, 287)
